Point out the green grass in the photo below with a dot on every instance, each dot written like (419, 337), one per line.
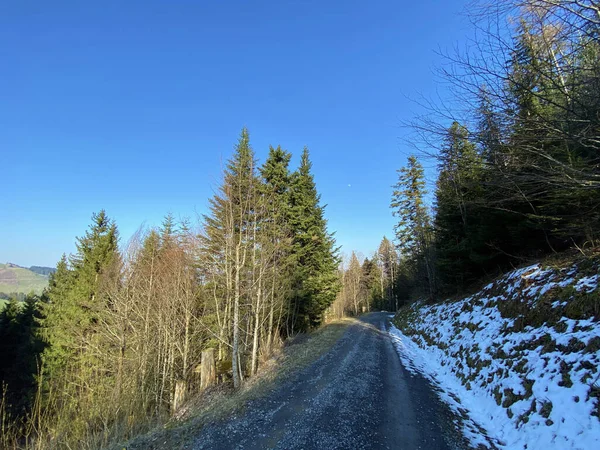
(20, 280)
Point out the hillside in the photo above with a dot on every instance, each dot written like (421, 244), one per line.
(18, 279)
(42, 270)
(519, 358)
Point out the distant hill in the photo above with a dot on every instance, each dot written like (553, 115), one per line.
(20, 280)
(46, 271)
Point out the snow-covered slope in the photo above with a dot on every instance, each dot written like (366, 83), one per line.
(520, 358)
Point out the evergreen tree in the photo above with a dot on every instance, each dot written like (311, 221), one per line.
(387, 259)
(10, 336)
(56, 313)
(71, 317)
(167, 231)
(414, 232)
(20, 348)
(545, 190)
(276, 191)
(277, 232)
(370, 288)
(459, 197)
(276, 174)
(228, 239)
(315, 255)
(536, 188)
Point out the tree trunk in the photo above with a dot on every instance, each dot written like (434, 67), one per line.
(271, 314)
(236, 320)
(208, 373)
(179, 397)
(254, 364)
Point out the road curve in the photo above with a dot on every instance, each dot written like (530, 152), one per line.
(356, 396)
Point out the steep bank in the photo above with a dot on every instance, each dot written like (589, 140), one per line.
(520, 357)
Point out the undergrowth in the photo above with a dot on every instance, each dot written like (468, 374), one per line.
(222, 401)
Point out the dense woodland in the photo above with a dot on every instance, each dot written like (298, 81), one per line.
(518, 154)
(99, 354)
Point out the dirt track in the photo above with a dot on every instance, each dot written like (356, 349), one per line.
(357, 395)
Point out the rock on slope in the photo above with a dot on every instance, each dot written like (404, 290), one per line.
(520, 358)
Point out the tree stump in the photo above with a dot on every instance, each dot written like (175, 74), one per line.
(208, 373)
(179, 397)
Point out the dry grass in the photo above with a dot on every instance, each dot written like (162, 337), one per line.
(222, 401)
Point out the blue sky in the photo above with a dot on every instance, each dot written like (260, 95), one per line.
(134, 107)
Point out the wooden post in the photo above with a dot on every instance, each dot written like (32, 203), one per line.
(208, 373)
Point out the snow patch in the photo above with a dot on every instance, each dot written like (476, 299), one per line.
(525, 387)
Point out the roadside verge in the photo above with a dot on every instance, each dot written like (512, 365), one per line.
(223, 401)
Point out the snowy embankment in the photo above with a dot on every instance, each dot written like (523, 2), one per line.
(519, 359)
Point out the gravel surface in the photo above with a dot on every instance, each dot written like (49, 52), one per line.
(356, 396)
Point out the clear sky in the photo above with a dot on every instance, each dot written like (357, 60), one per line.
(133, 106)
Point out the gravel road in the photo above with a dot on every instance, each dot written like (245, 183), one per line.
(357, 396)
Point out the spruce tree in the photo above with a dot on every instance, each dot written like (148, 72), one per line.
(167, 231)
(315, 255)
(56, 314)
(20, 348)
(75, 307)
(10, 336)
(228, 239)
(458, 209)
(276, 231)
(414, 232)
(370, 279)
(275, 191)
